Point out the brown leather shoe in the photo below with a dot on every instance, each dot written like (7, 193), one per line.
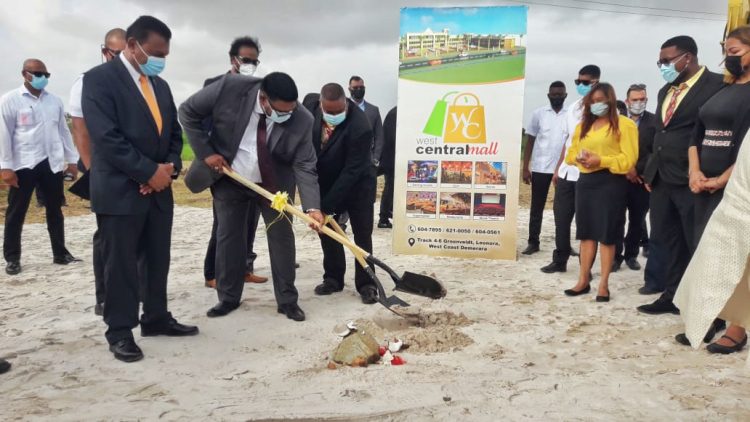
(211, 283)
(252, 278)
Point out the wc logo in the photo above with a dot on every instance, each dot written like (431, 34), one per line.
(461, 122)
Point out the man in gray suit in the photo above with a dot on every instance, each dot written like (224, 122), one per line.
(262, 132)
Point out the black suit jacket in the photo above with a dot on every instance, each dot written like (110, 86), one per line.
(126, 146)
(669, 153)
(646, 132)
(388, 157)
(344, 165)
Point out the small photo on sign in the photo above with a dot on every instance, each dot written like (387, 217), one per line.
(489, 206)
(422, 173)
(455, 174)
(421, 204)
(455, 205)
(490, 175)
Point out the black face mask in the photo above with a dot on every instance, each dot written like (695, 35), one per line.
(556, 102)
(358, 93)
(734, 65)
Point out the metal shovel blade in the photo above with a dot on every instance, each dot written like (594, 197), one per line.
(421, 285)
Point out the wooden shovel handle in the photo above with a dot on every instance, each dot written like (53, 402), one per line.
(357, 253)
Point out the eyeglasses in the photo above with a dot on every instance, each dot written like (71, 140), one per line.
(38, 74)
(111, 51)
(247, 60)
(667, 62)
(583, 82)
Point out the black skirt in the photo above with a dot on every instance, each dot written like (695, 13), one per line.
(600, 207)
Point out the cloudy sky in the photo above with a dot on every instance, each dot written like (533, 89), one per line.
(329, 40)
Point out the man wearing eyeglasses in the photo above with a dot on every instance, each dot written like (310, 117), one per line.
(35, 149)
(243, 60)
(689, 86)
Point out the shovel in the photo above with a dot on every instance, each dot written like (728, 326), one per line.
(412, 283)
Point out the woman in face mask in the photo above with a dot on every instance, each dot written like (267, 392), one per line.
(722, 124)
(604, 148)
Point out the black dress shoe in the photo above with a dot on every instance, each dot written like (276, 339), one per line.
(644, 253)
(659, 307)
(385, 225)
(296, 265)
(616, 265)
(633, 264)
(574, 252)
(99, 309)
(555, 267)
(292, 311)
(13, 267)
(725, 350)
(571, 292)
(65, 259)
(325, 289)
(126, 350)
(369, 295)
(4, 366)
(648, 291)
(716, 326)
(531, 249)
(603, 298)
(682, 339)
(171, 329)
(221, 309)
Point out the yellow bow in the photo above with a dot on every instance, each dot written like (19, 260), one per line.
(279, 201)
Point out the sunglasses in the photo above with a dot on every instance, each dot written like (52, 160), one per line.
(247, 60)
(639, 87)
(106, 49)
(582, 82)
(38, 74)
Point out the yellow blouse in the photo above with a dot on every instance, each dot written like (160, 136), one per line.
(617, 155)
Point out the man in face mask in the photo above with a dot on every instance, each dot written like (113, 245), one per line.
(637, 196)
(341, 135)
(137, 141)
(689, 85)
(35, 149)
(545, 140)
(357, 92)
(243, 59)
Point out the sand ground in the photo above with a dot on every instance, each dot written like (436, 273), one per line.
(526, 352)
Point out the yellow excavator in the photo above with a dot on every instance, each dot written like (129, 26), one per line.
(738, 15)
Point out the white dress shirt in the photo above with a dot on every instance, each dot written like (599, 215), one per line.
(136, 76)
(34, 129)
(575, 113)
(246, 161)
(74, 103)
(548, 127)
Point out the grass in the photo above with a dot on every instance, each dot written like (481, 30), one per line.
(187, 151)
(466, 72)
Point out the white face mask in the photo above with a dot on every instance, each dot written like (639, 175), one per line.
(247, 69)
(637, 108)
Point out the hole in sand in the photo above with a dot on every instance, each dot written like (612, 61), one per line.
(423, 331)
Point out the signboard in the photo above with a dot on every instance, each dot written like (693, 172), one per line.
(458, 141)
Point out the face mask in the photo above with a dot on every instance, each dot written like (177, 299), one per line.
(556, 102)
(153, 66)
(599, 109)
(637, 107)
(358, 93)
(247, 69)
(583, 90)
(38, 82)
(734, 65)
(334, 119)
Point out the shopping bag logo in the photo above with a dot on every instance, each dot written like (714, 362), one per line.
(462, 121)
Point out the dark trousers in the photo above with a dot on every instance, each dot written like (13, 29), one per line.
(209, 263)
(673, 228)
(654, 274)
(637, 203)
(564, 208)
(540, 183)
(705, 204)
(124, 240)
(18, 204)
(360, 209)
(644, 229)
(386, 199)
(233, 203)
(99, 287)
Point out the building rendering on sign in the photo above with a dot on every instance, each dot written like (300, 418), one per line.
(436, 44)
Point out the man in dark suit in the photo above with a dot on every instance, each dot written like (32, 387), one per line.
(260, 130)
(341, 135)
(136, 144)
(243, 59)
(357, 92)
(637, 196)
(387, 168)
(688, 87)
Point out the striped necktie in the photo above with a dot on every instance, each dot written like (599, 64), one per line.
(148, 94)
(673, 103)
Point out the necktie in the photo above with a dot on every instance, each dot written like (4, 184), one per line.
(673, 104)
(264, 155)
(148, 94)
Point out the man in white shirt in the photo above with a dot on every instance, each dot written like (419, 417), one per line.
(546, 137)
(566, 176)
(35, 149)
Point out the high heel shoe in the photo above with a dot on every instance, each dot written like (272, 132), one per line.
(603, 298)
(571, 292)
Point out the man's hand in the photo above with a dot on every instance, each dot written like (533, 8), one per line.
(633, 177)
(527, 176)
(319, 220)
(648, 187)
(72, 170)
(554, 178)
(162, 178)
(146, 190)
(697, 180)
(216, 162)
(9, 177)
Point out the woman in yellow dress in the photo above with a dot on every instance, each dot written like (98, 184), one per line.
(604, 148)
